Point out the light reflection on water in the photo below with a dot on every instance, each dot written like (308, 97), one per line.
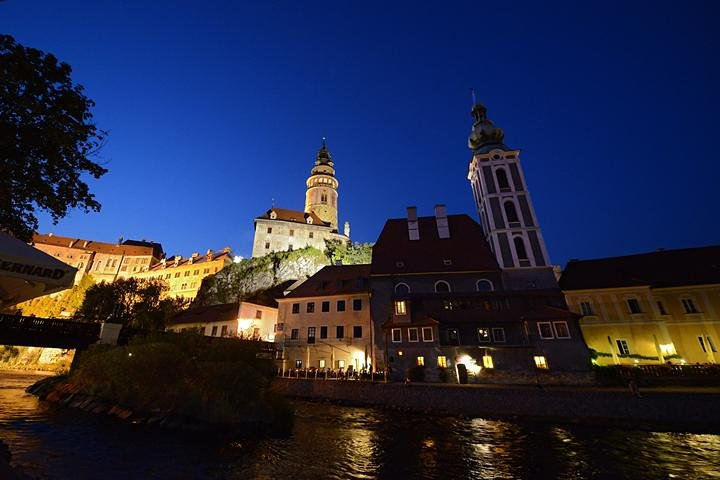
(343, 442)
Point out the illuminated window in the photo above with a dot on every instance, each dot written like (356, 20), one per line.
(441, 286)
(294, 334)
(402, 289)
(483, 335)
(311, 307)
(427, 334)
(298, 363)
(341, 305)
(421, 361)
(295, 308)
(413, 335)
(545, 329)
(689, 306)
(634, 305)
(488, 361)
(396, 335)
(540, 362)
(484, 285)
(325, 306)
(442, 361)
(586, 308)
(561, 330)
(340, 364)
(498, 335)
(623, 347)
(400, 307)
(321, 363)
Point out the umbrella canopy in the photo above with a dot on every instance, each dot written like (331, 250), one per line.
(26, 272)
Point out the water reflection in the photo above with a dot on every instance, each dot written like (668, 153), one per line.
(344, 442)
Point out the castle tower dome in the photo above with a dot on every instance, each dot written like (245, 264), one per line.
(321, 197)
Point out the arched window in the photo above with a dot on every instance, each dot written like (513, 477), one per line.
(484, 285)
(511, 213)
(520, 248)
(441, 286)
(402, 289)
(502, 180)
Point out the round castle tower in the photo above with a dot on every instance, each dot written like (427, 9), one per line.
(321, 196)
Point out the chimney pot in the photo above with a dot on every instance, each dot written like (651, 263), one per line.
(413, 228)
(442, 221)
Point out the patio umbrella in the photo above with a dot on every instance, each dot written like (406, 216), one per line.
(26, 272)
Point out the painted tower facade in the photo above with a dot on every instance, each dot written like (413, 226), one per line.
(321, 197)
(502, 199)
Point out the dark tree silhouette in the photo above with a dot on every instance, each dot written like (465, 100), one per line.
(46, 139)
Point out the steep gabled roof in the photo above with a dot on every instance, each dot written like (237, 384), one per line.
(128, 248)
(664, 268)
(294, 216)
(335, 280)
(466, 250)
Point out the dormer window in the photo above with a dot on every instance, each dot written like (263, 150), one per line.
(441, 286)
(447, 262)
(309, 220)
(273, 215)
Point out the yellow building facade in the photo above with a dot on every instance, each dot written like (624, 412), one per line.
(185, 275)
(648, 309)
(325, 322)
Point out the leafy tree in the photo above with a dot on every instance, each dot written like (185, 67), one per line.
(349, 254)
(56, 305)
(135, 302)
(46, 139)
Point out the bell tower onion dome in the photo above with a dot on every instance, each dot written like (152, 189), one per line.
(321, 197)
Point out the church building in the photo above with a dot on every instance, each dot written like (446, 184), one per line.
(280, 229)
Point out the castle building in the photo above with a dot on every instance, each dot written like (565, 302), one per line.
(104, 261)
(503, 202)
(185, 275)
(650, 308)
(324, 323)
(279, 229)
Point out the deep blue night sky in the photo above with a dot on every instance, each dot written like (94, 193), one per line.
(214, 108)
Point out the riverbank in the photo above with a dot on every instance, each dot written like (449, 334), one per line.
(686, 409)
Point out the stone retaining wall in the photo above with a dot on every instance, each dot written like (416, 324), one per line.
(673, 410)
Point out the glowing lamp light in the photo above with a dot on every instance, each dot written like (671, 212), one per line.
(667, 348)
(470, 364)
(244, 324)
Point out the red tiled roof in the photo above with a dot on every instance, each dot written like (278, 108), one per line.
(224, 312)
(466, 249)
(129, 247)
(293, 216)
(335, 280)
(665, 268)
(170, 262)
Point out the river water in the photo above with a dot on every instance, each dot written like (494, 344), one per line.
(341, 442)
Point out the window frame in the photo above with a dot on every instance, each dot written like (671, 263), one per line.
(295, 334)
(311, 332)
(325, 306)
(340, 306)
(310, 307)
(480, 339)
(633, 310)
(323, 331)
(540, 331)
(400, 307)
(567, 330)
(295, 309)
(586, 308)
(355, 331)
(410, 335)
(496, 338)
(623, 346)
(484, 281)
(400, 285)
(340, 331)
(393, 338)
(357, 304)
(442, 282)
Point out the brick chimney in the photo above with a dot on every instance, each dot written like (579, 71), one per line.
(412, 219)
(442, 221)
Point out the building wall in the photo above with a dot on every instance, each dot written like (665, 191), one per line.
(332, 351)
(185, 279)
(248, 324)
(284, 235)
(75, 257)
(653, 335)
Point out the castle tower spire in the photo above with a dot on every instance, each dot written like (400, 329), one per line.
(502, 199)
(321, 196)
